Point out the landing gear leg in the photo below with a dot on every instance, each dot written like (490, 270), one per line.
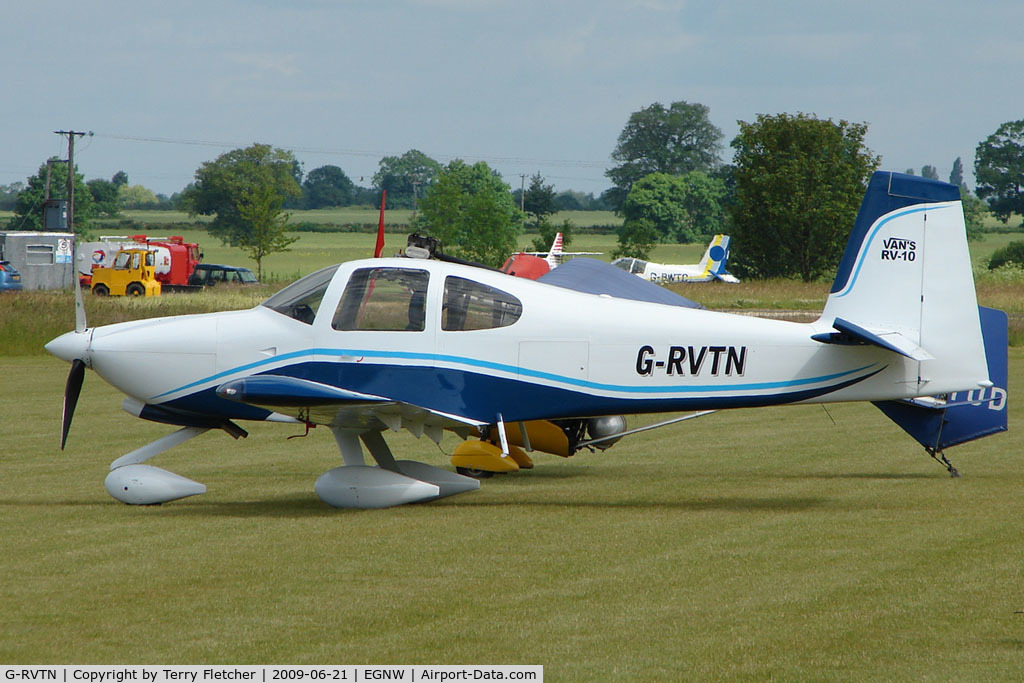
(940, 458)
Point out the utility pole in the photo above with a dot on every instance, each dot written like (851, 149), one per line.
(71, 174)
(522, 192)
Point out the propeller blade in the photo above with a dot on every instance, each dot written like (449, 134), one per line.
(71, 392)
(80, 323)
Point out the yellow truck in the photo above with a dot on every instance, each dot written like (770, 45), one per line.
(133, 274)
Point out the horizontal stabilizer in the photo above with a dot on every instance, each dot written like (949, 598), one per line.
(278, 390)
(726, 276)
(851, 333)
(964, 416)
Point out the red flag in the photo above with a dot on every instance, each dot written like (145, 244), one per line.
(380, 227)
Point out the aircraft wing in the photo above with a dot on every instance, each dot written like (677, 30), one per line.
(319, 403)
(562, 253)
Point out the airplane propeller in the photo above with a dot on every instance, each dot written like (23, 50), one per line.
(72, 390)
(74, 348)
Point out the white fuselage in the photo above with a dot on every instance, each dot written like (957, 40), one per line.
(568, 354)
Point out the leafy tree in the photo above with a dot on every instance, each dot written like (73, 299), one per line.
(260, 207)
(929, 172)
(539, 200)
(683, 208)
(240, 187)
(327, 186)
(1011, 253)
(675, 140)
(956, 176)
(636, 238)
(406, 178)
(104, 197)
(120, 178)
(470, 209)
(137, 197)
(9, 195)
(799, 183)
(28, 209)
(571, 201)
(999, 170)
(975, 212)
(548, 230)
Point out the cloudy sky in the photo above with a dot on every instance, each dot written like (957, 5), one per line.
(526, 86)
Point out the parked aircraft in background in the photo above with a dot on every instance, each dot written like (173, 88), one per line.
(711, 266)
(534, 264)
(428, 345)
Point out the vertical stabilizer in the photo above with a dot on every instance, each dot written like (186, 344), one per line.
(906, 278)
(554, 257)
(715, 258)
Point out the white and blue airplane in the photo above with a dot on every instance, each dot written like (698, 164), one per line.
(710, 267)
(427, 345)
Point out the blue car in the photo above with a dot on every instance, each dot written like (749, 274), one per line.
(10, 278)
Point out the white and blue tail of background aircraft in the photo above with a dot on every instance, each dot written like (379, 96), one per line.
(427, 345)
(710, 267)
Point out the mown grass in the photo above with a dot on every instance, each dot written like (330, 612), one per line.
(778, 543)
(787, 543)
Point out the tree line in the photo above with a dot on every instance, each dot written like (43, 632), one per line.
(788, 197)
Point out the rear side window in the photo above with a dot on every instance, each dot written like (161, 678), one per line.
(383, 299)
(470, 305)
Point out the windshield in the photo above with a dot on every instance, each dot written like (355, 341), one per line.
(247, 276)
(301, 299)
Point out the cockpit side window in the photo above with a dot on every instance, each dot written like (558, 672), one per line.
(301, 299)
(383, 299)
(470, 305)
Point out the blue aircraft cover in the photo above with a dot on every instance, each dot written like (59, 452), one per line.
(597, 277)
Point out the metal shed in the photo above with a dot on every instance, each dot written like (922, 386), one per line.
(44, 259)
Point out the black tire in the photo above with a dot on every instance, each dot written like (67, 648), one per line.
(135, 289)
(101, 290)
(474, 473)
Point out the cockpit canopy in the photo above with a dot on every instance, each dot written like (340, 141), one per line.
(389, 298)
(630, 265)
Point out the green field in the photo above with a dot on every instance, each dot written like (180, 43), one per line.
(792, 543)
(787, 543)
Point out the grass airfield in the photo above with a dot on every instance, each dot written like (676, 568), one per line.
(781, 542)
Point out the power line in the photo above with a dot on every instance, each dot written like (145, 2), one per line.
(565, 163)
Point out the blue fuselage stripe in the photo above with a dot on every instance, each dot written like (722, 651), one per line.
(514, 370)
(481, 396)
